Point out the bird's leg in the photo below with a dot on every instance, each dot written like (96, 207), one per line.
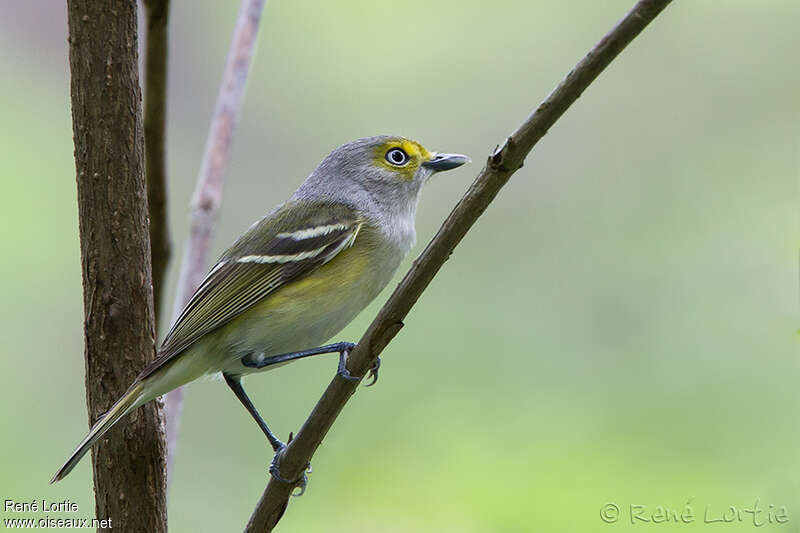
(344, 348)
(340, 347)
(235, 383)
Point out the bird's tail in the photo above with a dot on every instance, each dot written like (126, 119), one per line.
(129, 401)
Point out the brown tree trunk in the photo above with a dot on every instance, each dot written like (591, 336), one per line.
(129, 471)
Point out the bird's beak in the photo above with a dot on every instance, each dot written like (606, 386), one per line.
(441, 162)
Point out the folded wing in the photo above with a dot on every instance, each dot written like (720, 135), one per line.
(274, 252)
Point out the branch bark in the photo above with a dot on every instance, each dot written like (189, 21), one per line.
(155, 149)
(128, 465)
(499, 167)
(208, 190)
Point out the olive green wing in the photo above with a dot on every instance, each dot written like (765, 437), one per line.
(272, 253)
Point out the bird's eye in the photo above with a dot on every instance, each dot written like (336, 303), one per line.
(397, 157)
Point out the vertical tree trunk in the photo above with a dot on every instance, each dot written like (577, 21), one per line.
(129, 471)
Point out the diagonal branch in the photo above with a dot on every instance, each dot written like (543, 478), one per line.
(155, 144)
(500, 166)
(208, 191)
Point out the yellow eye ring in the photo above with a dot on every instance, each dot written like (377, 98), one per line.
(397, 157)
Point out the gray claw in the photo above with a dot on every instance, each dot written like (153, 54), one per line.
(373, 372)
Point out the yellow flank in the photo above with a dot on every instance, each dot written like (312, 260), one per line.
(340, 275)
(417, 154)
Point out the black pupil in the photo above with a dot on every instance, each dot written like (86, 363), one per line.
(397, 156)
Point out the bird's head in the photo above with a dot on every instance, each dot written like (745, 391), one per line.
(389, 170)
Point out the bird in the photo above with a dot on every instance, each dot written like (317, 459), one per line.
(294, 279)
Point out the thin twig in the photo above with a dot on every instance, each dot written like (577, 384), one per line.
(155, 143)
(500, 166)
(208, 191)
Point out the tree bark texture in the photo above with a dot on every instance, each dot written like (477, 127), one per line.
(128, 464)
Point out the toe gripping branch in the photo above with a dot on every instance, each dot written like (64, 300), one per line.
(274, 470)
(342, 370)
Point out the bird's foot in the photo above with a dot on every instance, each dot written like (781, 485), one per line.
(342, 370)
(274, 470)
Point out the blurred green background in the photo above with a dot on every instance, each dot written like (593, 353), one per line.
(619, 327)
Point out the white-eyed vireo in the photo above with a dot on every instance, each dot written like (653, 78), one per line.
(295, 278)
